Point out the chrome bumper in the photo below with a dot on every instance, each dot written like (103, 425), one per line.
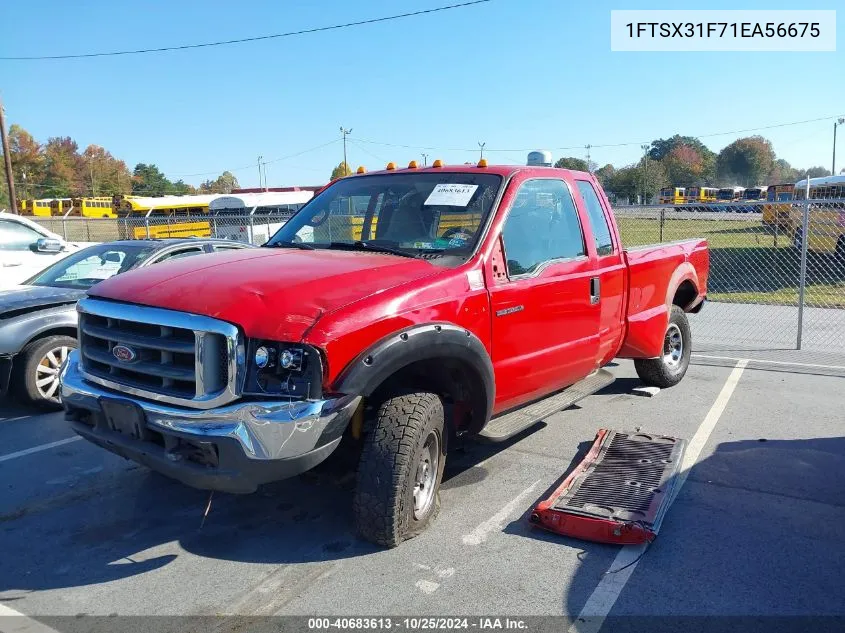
(265, 430)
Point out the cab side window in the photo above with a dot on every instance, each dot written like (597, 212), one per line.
(185, 252)
(542, 226)
(601, 229)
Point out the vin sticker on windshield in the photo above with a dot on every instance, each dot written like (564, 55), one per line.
(450, 195)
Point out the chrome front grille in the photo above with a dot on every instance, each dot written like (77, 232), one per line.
(159, 354)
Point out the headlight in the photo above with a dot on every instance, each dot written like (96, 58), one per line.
(283, 369)
(264, 357)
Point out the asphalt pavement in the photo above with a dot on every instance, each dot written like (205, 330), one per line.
(756, 529)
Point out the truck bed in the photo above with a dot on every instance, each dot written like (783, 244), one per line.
(656, 274)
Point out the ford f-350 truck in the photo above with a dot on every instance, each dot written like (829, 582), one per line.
(397, 312)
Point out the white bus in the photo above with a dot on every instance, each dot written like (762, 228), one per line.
(254, 217)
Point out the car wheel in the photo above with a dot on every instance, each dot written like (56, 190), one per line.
(37, 373)
(668, 369)
(398, 481)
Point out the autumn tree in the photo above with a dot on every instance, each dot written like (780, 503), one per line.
(746, 161)
(62, 169)
(224, 183)
(27, 162)
(340, 171)
(103, 174)
(570, 162)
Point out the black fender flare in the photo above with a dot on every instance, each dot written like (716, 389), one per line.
(421, 342)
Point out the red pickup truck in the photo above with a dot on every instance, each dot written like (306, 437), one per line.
(396, 312)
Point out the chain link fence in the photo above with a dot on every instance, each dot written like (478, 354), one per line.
(769, 287)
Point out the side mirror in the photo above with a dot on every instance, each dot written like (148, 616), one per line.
(48, 245)
(111, 257)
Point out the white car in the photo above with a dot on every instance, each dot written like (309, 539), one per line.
(27, 248)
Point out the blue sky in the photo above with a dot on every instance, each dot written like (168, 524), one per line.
(512, 73)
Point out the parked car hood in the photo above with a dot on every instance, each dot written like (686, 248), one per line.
(22, 299)
(271, 293)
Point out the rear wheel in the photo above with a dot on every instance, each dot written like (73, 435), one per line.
(37, 370)
(398, 482)
(670, 367)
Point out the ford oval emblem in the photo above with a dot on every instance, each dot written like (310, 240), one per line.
(124, 354)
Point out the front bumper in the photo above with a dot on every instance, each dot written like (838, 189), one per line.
(233, 448)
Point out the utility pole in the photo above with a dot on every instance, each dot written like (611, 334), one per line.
(259, 171)
(7, 157)
(345, 132)
(264, 164)
(833, 166)
(589, 166)
(481, 146)
(645, 171)
(425, 159)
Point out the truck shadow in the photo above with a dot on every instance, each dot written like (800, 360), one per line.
(138, 522)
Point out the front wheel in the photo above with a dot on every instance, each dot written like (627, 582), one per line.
(37, 370)
(398, 482)
(670, 367)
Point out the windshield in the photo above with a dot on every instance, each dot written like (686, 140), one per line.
(414, 214)
(92, 265)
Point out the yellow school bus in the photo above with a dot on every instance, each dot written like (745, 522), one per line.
(826, 222)
(775, 214)
(39, 207)
(672, 195)
(164, 216)
(701, 194)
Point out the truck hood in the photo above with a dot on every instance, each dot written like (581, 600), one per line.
(21, 299)
(275, 294)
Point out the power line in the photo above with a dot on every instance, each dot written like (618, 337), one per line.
(528, 149)
(252, 165)
(258, 38)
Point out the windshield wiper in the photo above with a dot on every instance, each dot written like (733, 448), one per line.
(285, 244)
(374, 248)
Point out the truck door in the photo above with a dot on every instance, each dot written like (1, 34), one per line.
(545, 325)
(610, 271)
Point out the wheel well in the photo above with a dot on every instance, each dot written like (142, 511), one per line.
(457, 383)
(59, 331)
(685, 294)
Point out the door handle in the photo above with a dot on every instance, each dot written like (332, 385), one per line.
(595, 290)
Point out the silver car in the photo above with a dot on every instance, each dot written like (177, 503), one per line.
(38, 319)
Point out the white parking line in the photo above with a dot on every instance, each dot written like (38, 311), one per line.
(38, 449)
(497, 521)
(772, 362)
(12, 621)
(604, 596)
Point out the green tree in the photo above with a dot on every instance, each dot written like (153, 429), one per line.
(661, 147)
(816, 172)
(340, 171)
(181, 188)
(685, 166)
(605, 174)
(570, 162)
(63, 167)
(629, 182)
(148, 180)
(783, 172)
(224, 183)
(746, 161)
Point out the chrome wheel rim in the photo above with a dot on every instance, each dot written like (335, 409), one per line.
(673, 346)
(47, 372)
(426, 475)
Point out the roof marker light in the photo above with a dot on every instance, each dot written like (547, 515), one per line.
(361, 170)
(391, 165)
(437, 163)
(482, 162)
(412, 164)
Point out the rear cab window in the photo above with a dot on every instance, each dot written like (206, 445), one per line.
(598, 220)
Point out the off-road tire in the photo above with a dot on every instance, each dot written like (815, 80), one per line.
(661, 372)
(394, 443)
(25, 370)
